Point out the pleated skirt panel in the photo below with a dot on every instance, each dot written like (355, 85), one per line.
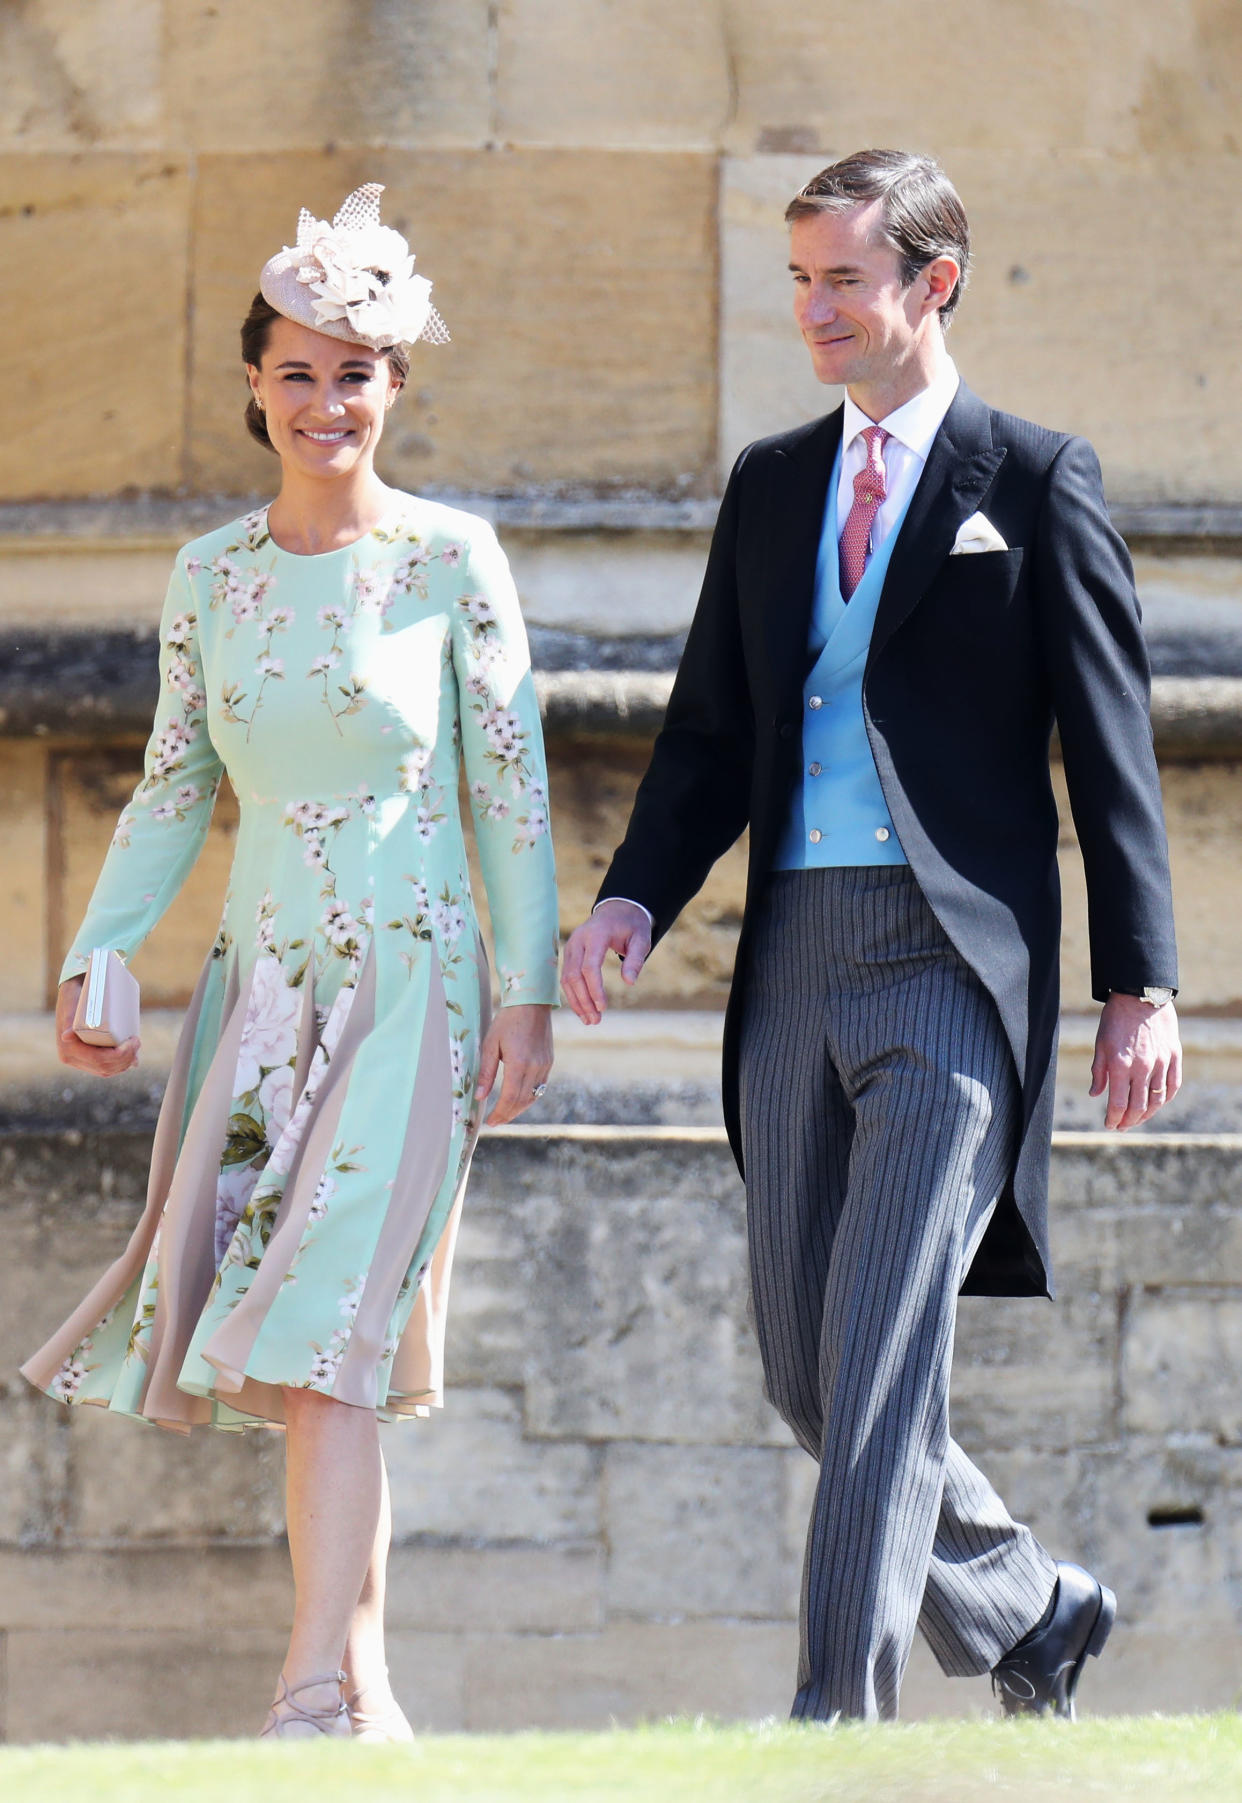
(321, 1263)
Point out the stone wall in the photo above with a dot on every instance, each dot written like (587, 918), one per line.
(58, 807)
(596, 189)
(606, 1520)
(570, 170)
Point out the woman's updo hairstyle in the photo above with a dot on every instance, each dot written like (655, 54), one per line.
(255, 333)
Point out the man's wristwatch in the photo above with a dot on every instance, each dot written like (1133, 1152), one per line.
(1157, 995)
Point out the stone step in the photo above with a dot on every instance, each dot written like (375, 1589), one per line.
(167, 521)
(607, 1520)
(100, 682)
(642, 1068)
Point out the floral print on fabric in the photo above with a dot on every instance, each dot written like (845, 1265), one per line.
(68, 1380)
(342, 694)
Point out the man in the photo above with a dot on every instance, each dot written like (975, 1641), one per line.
(900, 600)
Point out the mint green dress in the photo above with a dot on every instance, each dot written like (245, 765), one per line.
(314, 1139)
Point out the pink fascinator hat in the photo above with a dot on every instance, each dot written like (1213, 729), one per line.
(353, 279)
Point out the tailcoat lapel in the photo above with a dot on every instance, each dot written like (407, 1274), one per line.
(795, 518)
(960, 469)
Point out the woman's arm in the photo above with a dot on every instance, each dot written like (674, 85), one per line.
(503, 753)
(162, 827)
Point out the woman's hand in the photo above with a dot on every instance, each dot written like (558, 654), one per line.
(99, 1060)
(520, 1038)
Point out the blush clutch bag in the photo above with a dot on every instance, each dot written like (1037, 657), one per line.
(107, 1010)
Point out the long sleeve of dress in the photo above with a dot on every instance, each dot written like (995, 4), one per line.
(502, 748)
(162, 828)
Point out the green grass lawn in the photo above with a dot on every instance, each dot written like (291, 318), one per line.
(1158, 1759)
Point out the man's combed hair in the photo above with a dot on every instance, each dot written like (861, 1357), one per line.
(921, 214)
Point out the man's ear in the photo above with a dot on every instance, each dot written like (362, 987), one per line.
(942, 275)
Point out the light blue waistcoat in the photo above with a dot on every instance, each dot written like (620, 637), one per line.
(839, 798)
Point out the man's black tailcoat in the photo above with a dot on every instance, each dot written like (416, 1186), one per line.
(972, 659)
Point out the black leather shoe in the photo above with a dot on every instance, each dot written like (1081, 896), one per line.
(1041, 1674)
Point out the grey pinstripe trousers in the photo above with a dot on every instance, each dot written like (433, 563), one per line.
(879, 1109)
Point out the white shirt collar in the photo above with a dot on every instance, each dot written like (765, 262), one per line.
(915, 423)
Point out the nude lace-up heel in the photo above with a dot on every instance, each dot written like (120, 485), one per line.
(287, 1719)
(386, 1724)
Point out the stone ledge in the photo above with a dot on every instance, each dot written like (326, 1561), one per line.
(627, 1673)
(604, 703)
(547, 1139)
(521, 1588)
(1155, 522)
(81, 684)
(87, 1588)
(604, 1387)
(642, 1069)
(602, 1135)
(169, 520)
(1197, 716)
(154, 521)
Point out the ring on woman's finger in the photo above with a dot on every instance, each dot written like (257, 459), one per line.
(540, 1089)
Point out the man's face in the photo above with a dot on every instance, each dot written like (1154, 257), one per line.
(860, 325)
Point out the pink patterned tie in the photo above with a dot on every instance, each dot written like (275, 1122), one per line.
(869, 492)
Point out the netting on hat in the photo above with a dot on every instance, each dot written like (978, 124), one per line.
(361, 274)
(360, 209)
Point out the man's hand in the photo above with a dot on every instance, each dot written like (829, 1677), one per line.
(99, 1060)
(616, 926)
(520, 1038)
(1138, 1059)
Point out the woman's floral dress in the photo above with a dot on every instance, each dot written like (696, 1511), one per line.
(316, 1131)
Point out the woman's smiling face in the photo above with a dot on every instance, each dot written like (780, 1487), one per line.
(324, 401)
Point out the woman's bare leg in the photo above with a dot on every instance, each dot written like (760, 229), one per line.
(335, 1491)
(366, 1662)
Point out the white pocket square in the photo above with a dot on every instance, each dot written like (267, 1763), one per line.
(977, 534)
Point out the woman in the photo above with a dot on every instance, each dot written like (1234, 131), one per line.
(337, 653)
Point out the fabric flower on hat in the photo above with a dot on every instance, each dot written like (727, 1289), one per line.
(366, 277)
(360, 275)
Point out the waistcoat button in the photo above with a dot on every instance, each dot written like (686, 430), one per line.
(816, 701)
(815, 835)
(881, 833)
